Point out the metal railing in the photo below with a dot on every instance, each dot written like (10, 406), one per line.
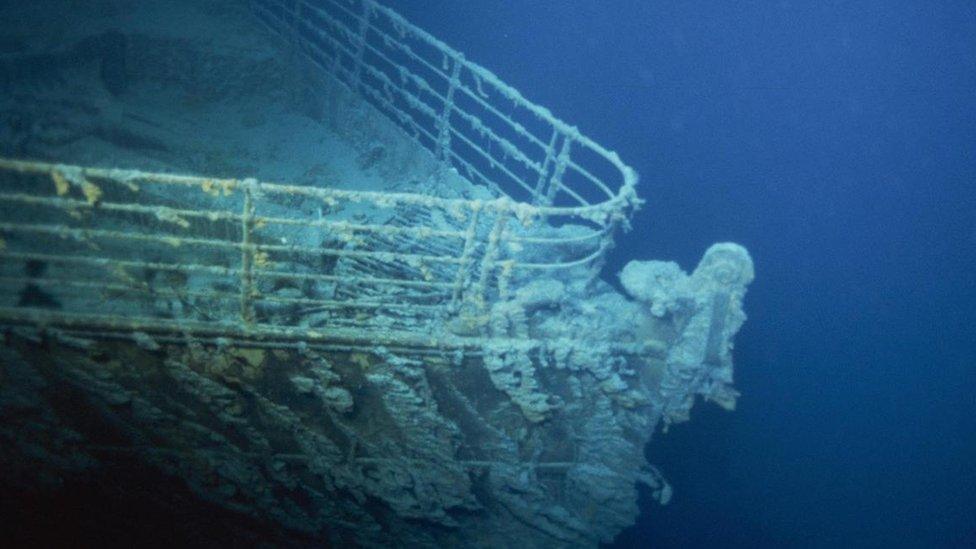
(461, 112)
(128, 251)
(107, 251)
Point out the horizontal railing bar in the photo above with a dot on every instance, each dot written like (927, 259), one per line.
(388, 40)
(559, 240)
(380, 198)
(494, 162)
(391, 40)
(86, 234)
(483, 73)
(427, 109)
(357, 17)
(414, 101)
(339, 48)
(480, 73)
(385, 78)
(351, 279)
(566, 265)
(341, 28)
(511, 122)
(414, 124)
(160, 212)
(175, 241)
(225, 271)
(401, 117)
(628, 175)
(105, 262)
(284, 189)
(165, 213)
(593, 179)
(398, 118)
(468, 166)
(329, 71)
(352, 15)
(510, 148)
(521, 130)
(343, 226)
(572, 193)
(147, 289)
(386, 102)
(388, 256)
(141, 288)
(507, 145)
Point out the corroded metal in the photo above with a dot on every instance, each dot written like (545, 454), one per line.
(102, 233)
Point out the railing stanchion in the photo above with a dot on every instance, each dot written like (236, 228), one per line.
(444, 122)
(492, 246)
(247, 252)
(361, 44)
(537, 196)
(556, 180)
(464, 266)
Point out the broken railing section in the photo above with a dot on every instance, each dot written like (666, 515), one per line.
(459, 111)
(134, 250)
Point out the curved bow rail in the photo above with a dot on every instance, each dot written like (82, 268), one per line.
(100, 251)
(457, 109)
(125, 251)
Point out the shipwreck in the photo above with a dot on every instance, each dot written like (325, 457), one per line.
(328, 282)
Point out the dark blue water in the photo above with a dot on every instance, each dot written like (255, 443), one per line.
(837, 140)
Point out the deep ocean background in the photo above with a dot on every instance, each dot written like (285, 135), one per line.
(837, 141)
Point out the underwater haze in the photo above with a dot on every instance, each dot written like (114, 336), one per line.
(837, 141)
(375, 308)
